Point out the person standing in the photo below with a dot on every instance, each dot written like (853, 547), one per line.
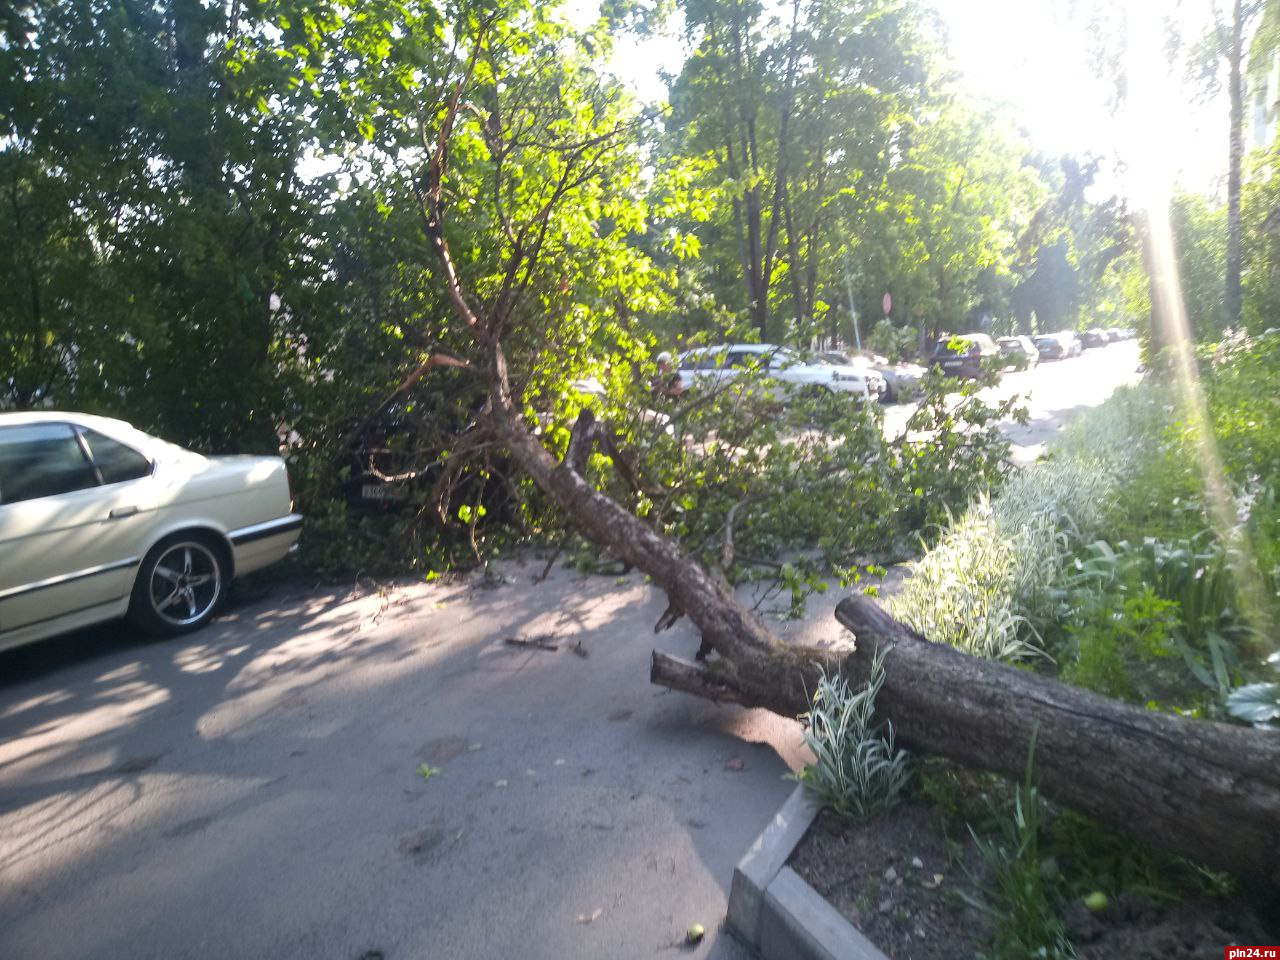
(667, 382)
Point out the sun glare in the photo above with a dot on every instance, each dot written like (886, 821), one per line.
(1151, 109)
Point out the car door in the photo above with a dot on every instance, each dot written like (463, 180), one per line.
(74, 509)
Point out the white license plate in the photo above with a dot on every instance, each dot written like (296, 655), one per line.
(950, 364)
(374, 491)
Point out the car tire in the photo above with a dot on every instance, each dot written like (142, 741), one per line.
(181, 583)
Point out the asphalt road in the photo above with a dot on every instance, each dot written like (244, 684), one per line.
(254, 791)
(1055, 393)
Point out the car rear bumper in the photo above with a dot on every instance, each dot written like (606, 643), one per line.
(960, 368)
(262, 544)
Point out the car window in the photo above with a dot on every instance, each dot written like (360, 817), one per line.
(116, 462)
(705, 360)
(741, 359)
(42, 460)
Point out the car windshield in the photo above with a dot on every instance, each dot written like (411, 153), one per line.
(954, 345)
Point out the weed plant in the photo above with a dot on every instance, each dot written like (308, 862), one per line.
(1020, 898)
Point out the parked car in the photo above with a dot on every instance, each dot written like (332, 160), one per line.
(1094, 338)
(1058, 346)
(1020, 352)
(716, 365)
(963, 355)
(99, 520)
(902, 380)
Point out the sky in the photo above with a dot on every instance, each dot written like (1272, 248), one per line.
(1031, 55)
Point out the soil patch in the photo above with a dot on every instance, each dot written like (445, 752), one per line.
(898, 878)
(1137, 928)
(869, 872)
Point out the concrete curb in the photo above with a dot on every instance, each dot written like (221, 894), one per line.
(775, 912)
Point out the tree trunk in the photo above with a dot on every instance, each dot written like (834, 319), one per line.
(1205, 790)
(1231, 295)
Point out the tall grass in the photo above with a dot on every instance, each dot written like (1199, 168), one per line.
(986, 586)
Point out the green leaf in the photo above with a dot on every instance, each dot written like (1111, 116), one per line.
(1255, 703)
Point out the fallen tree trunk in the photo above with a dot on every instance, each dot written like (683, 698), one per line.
(1208, 791)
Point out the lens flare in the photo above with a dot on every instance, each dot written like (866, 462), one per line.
(1149, 110)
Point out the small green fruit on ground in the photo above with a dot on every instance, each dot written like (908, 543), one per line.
(695, 934)
(1096, 901)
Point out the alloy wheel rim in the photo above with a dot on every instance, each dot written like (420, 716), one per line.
(185, 584)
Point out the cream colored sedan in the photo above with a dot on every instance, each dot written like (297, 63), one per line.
(99, 520)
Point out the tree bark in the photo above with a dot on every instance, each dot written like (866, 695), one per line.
(1205, 790)
(1231, 297)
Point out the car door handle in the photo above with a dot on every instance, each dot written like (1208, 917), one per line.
(121, 512)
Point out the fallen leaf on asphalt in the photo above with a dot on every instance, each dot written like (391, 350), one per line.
(559, 762)
(499, 783)
(933, 884)
(426, 771)
(735, 764)
(595, 915)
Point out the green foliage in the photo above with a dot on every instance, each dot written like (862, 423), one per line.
(1110, 633)
(893, 342)
(790, 488)
(1020, 900)
(1257, 703)
(985, 587)
(857, 769)
(1153, 614)
(1092, 859)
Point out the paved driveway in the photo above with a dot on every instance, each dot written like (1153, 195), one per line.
(252, 791)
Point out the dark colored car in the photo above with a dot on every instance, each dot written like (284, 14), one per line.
(1094, 338)
(1052, 347)
(962, 355)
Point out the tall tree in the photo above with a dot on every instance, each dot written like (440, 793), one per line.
(792, 111)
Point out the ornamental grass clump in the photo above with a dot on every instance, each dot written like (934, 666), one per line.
(989, 584)
(857, 770)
